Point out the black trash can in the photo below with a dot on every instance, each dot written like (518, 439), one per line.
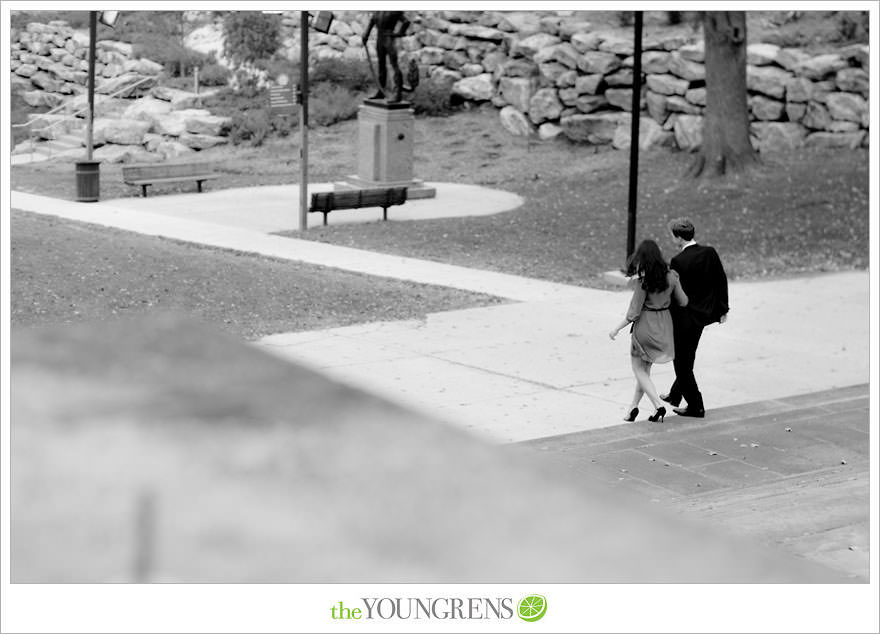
(88, 181)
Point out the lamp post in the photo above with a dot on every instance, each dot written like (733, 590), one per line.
(321, 23)
(303, 97)
(88, 171)
(634, 137)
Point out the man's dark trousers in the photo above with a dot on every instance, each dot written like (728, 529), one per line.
(687, 329)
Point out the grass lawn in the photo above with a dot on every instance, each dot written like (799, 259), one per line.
(801, 213)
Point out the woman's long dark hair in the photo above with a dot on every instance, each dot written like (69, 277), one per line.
(647, 262)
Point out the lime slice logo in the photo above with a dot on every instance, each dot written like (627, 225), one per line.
(532, 608)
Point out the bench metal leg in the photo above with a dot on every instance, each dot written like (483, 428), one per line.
(199, 183)
(384, 213)
(325, 217)
(144, 191)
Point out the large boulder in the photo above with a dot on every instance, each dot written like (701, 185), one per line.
(211, 125)
(121, 131)
(817, 116)
(42, 99)
(477, 88)
(531, 44)
(821, 66)
(853, 80)
(847, 106)
(517, 91)
(674, 103)
(169, 150)
(798, 89)
(595, 129)
(588, 84)
(122, 48)
(685, 68)
(584, 42)
(147, 109)
(551, 72)
(761, 54)
(516, 122)
(201, 141)
(544, 106)
(599, 62)
(688, 131)
(622, 98)
(791, 58)
(656, 105)
(179, 99)
(548, 131)
(767, 80)
(622, 77)
(651, 135)
(113, 153)
(693, 52)
(142, 66)
(589, 103)
(765, 109)
(656, 62)
(562, 52)
(174, 122)
(836, 140)
(772, 137)
(667, 84)
(130, 85)
(615, 43)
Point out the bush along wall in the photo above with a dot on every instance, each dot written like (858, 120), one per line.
(552, 75)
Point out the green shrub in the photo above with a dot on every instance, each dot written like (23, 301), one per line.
(432, 99)
(252, 125)
(213, 75)
(331, 103)
(349, 73)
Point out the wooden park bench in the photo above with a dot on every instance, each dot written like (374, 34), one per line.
(146, 174)
(326, 202)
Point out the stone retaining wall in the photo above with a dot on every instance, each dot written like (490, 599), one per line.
(49, 64)
(551, 74)
(548, 73)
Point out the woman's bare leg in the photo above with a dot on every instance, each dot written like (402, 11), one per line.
(642, 371)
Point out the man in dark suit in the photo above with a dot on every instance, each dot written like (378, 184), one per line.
(705, 283)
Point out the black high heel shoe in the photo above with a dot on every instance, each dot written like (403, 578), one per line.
(632, 415)
(659, 415)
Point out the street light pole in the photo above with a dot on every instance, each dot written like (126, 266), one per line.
(90, 122)
(634, 137)
(304, 120)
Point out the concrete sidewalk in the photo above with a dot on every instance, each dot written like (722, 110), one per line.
(541, 366)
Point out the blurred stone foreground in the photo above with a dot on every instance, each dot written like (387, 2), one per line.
(164, 451)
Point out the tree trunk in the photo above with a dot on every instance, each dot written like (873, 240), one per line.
(726, 145)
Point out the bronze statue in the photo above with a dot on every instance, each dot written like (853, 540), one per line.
(389, 25)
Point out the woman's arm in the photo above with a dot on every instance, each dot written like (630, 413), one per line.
(634, 310)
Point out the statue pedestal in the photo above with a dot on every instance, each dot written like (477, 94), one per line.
(385, 149)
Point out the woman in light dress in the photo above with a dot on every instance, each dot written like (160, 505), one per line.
(655, 287)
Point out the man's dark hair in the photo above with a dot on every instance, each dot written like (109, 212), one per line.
(682, 228)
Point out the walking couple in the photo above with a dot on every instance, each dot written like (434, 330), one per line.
(670, 306)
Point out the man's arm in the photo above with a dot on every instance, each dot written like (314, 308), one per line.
(720, 284)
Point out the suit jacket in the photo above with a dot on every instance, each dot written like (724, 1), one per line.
(704, 282)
